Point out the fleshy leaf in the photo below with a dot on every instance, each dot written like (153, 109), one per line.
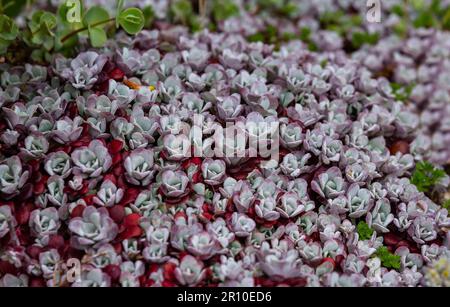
(426, 176)
(8, 29)
(132, 20)
(94, 16)
(97, 36)
(364, 231)
(388, 260)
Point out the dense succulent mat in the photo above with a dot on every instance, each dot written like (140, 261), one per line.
(92, 171)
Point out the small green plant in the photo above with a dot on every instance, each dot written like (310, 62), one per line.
(12, 8)
(446, 205)
(47, 32)
(257, 37)
(42, 30)
(269, 36)
(425, 19)
(364, 231)
(430, 14)
(149, 16)
(362, 38)
(8, 33)
(388, 260)
(287, 8)
(341, 22)
(95, 19)
(305, 36)
(426, 176)
(402, 93)
(182, 11)
(224, 9)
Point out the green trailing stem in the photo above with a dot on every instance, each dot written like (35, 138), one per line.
(68, 36)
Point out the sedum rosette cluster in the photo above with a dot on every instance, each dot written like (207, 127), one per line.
(92, 167)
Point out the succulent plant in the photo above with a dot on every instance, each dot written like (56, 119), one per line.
(59, 164)
(44, 222)
(6, 220)
(93, 278)
(68, 130)
(278, 147)
(279, 261)
(83, 71)
(91, 161)
(94, 227)
(190, 271)
(108, 195)
(138, 166)
(174, 184)
(330, 184)
(12, 176)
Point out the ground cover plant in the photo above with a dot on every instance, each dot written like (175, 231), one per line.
(117, 168)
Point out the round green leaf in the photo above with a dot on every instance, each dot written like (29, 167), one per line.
(37, 38)
(94, 16)
(132, 20)
(97, 36)
(37, 55)
(35, 22)
(48, 22)
(43, 23)
(49, 43)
